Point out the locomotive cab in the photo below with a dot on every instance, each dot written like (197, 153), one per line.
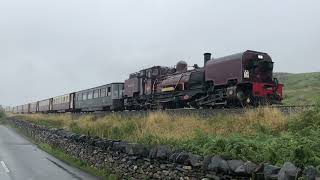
(259, 69)
(259, 73)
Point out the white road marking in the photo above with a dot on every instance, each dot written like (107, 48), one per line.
(5, 167)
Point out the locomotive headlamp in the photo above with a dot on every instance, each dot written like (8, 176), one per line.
(248, 100)
(260, 56)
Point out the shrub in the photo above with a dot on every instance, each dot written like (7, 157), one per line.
(1, 114)
(309, 119)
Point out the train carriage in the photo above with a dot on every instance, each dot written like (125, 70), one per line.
(33, 107)
(20, 109)
(15, 109)
(106, 97)
(44, 105)
(62, 103)
(25, 108)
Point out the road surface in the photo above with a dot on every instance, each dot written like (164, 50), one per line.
(22, 160)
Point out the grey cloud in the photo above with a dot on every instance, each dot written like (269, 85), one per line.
(51, 47)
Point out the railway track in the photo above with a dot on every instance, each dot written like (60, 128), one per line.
(204, 113)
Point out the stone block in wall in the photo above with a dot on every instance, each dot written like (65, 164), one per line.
(136, 149)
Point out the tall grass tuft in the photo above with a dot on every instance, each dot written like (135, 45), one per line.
(164, 126)
(2, 114)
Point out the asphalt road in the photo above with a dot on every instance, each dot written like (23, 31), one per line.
(22, 160)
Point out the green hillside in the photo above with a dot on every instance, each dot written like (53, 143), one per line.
(301, 88)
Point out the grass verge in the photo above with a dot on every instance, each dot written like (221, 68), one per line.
(59, 154)
(259, 135)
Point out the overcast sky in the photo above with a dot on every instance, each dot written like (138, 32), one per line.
(51, 47)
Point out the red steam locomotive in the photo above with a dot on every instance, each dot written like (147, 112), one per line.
(237, 80)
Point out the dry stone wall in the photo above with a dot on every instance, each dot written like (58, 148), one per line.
(136, 161)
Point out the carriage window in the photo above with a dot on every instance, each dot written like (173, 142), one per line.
(115, 90)
(84, 96)
(102, 92)
(109, 91)
(121, 88)
(96, 93)
(90, 95)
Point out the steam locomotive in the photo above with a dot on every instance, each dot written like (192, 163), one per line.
(243, 79)
(238, 80)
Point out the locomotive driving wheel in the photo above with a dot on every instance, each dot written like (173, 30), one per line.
(245, 99)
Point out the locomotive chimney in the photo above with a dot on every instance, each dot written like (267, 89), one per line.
(207, 57)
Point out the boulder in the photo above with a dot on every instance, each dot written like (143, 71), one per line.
(270, 172)
(53, 130)
(68, 135)
(193, 160)
(74, 137)
(160, 152)
(136, 149)
(104, 144)
(288, 172)
(185, 158)
(245, 169)
(179, 157)
(217, 164)
(311, 173)
(119, 146)
(206, 162)
(91, 141)
(82, 138)
(234, 164)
